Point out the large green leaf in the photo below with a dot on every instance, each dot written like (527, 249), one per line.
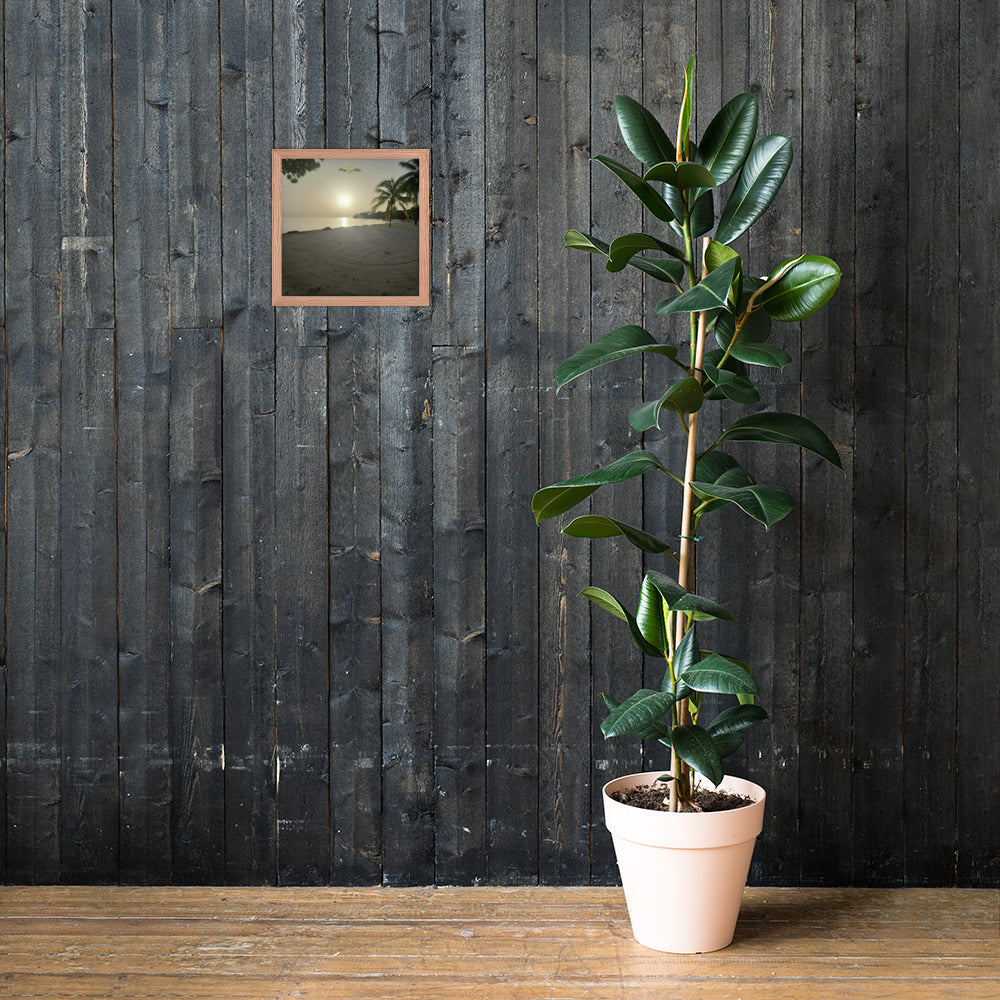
(670, 271)
(685, 656)
(623, 248)
(606, 602)
(719, 468)
(646, 194)
(712, 292)
(551, 501)
(642, 133)
(767, 504)
(595, 526)
(702, 215)
(728, 743)
(681, 175)
(715, 674)
(766, 355)
(803, 289)
(728, 138)
(732, 386)
(684, 396)
(756, 329)
(651, 617)
(783, 428)
(679, 599)
(762, 175)
(635, 714)
(713, 358)
(695, 746)
(624, 342)
(716, 254)
(736, 719)
(575, 240)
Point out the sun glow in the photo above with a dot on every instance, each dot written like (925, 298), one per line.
(345, 200)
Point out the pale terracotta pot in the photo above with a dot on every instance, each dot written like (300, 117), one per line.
(683, 873)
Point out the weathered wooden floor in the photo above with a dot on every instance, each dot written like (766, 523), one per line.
(486, 943)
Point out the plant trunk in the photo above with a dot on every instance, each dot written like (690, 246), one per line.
(680, 786)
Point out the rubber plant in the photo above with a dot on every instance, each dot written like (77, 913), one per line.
(707, 291)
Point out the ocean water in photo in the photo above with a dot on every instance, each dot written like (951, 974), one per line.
(304, 223)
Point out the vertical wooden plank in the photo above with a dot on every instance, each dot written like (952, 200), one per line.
(87, 265)
(771, 610)
(512, 444)
(142, 289)
(978, 706)
(407, 493)
(354, 482)
(196, 713)
(193, 114)
(88, 702)
(32, 225)
(301, 485)
(931, 450)
(880, 441)
(457, 289)
(564, 563)
(615, 299)
(827, 399)
(248, 394)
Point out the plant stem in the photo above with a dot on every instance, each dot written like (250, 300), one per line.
(686, 561)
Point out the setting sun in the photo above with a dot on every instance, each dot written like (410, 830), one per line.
(345, 200)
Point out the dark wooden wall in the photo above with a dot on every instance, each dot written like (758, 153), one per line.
(275, 606)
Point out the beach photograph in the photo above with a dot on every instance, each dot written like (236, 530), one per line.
(350, 227)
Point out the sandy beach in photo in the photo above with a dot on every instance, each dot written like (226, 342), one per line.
(356, 260)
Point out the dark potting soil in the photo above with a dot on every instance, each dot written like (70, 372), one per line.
(657, 797)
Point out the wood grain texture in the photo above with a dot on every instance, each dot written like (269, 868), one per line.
(142, 342)
(407, 495)
(978, 703)
(567, 943)
(289, 619)
(355, 572)
(33, 337)
(881, 322)
(195, 682)
(249, 631)
(512, 626)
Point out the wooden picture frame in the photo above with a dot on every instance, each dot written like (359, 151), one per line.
(339, 264)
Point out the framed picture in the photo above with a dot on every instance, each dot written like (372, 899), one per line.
(350, 227)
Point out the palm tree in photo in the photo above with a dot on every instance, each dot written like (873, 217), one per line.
(411, 177)
(389, 196)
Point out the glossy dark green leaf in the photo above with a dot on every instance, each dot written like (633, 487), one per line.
(606, 602)
(756, 329)
(684, 396)
(576, 240)
(685, 656)
(623, 248)
(713, 358)
(702, 215)
(681, 175)
(729, 136)
(637, 713)
(732, 386)
(646, 194)
(551, 501)
(695, 746)
(595, 526)
(718, 467)
(728, 743)
(767, 504)
(804, 289)
(679, 599)
(642, 133)
(670, 271)
(762, 175)
(715, 674)
(624, 342)
(711, 292)
(736, 719)
(783, 428)
(651, 618)
(766, 355)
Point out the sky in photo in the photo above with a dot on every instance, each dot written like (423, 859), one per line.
(331, 190)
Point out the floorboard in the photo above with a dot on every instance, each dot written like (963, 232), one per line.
(571, 943)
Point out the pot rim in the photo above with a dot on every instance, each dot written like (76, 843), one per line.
(649, 777)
